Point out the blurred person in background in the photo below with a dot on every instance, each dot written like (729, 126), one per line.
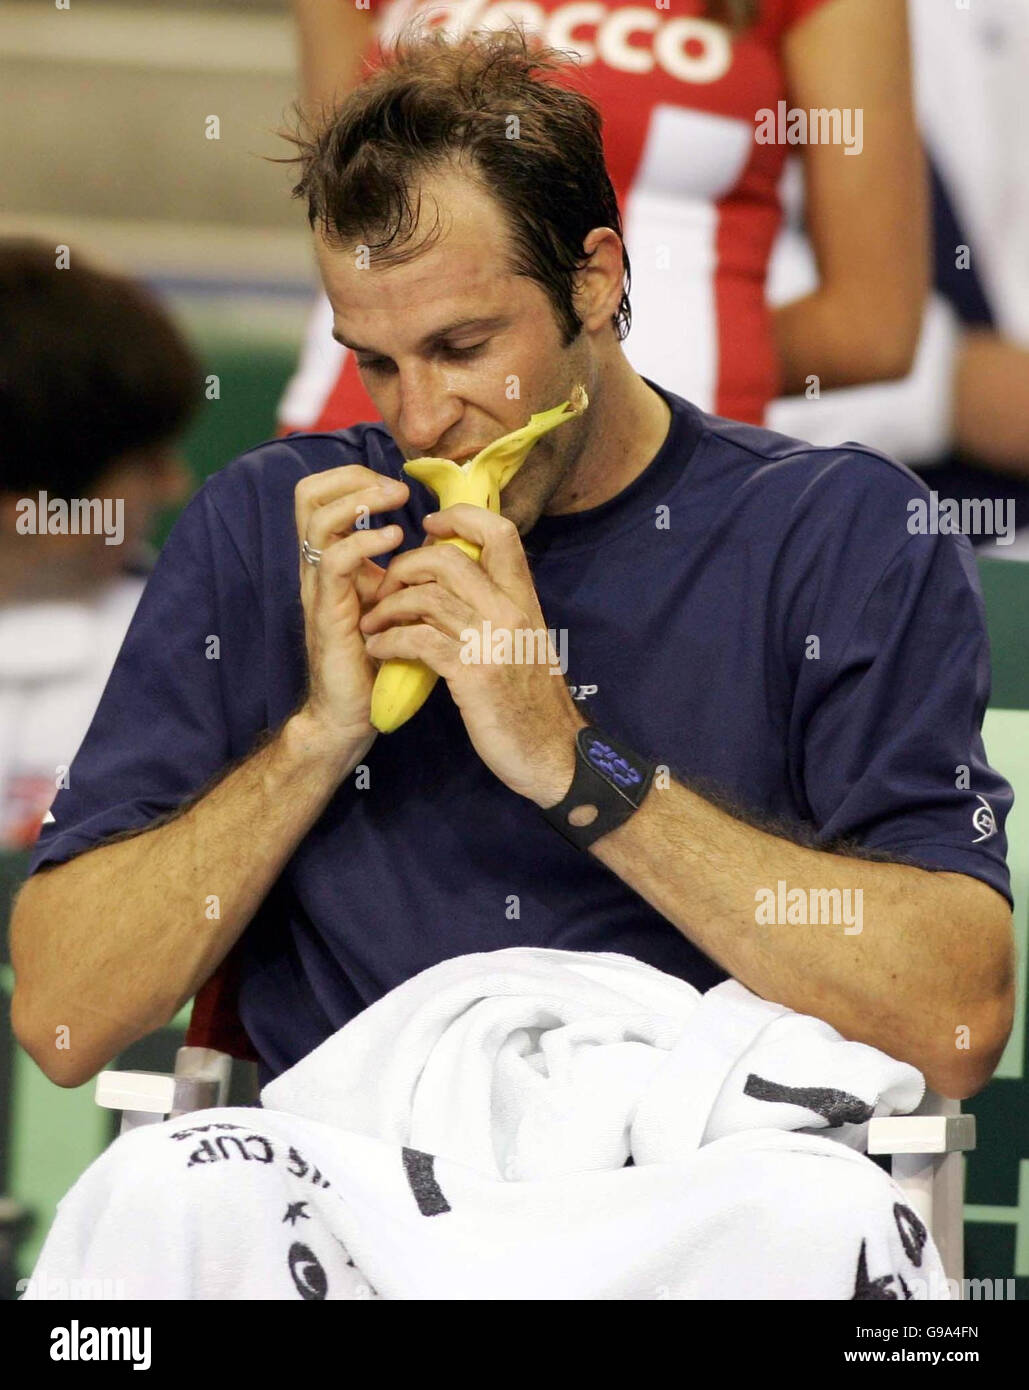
(680, 89)
(96, 385)
(960, 415)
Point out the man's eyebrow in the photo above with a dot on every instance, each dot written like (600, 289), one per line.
(433, 338)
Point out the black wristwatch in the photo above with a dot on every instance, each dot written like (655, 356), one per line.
(609, 784)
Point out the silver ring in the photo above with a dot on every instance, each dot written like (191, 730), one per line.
(311, 555)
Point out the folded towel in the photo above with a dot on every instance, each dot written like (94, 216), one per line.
(527, 1062)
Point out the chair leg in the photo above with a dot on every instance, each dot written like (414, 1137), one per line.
(132, 1119)
(933, 1186)
(205, 1064)
(949, 1201)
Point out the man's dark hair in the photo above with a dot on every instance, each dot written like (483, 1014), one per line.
(478, 103)
(91, 368)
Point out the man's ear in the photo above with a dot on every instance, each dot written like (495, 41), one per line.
(598, 285)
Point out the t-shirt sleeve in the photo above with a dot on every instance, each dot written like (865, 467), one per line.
(160, 732)
(890, 719)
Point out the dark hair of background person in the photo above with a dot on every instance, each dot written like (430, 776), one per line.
(439, 103)
(91, 368)
(736, 14)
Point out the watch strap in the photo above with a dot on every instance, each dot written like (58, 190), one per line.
(609, 785)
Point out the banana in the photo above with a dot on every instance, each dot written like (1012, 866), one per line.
(402, 687)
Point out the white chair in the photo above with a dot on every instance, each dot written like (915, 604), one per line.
(928, 1146)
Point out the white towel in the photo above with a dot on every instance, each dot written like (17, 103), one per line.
(466, 1137)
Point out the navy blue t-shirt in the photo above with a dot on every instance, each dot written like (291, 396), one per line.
(753, 613)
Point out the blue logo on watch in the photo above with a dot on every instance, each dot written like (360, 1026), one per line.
(611, 763)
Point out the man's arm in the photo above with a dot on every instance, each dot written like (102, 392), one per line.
(333, 36)
(906, 983)
(928, 979)
(110, 945)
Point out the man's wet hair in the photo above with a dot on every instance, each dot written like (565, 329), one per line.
(486, 106)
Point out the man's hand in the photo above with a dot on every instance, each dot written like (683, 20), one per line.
(332, 512)
(519, 714)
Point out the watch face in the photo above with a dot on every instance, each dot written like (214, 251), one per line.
(612, 764)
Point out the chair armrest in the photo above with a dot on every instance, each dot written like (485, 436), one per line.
(201, 1081)
(154, 1093)
(921, 1134)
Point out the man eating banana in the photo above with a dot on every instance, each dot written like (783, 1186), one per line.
(786, 683)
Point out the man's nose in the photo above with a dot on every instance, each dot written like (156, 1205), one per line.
(428, 408)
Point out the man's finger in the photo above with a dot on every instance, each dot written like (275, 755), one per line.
(446, 565)
(502, 555)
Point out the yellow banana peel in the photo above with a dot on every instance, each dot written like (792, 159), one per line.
(402, 687)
